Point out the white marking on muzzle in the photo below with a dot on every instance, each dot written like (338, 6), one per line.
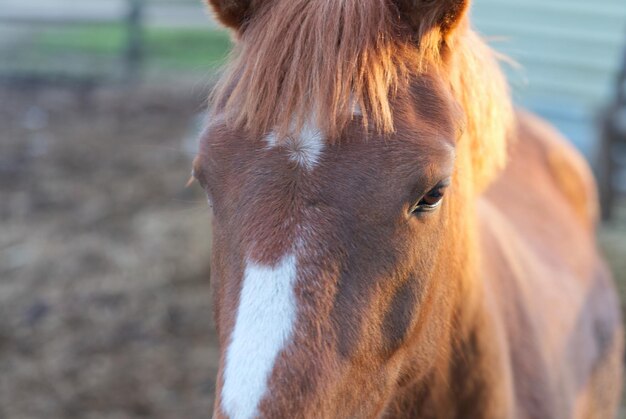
(264, 325)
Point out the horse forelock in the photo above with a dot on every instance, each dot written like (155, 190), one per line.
(298, 58)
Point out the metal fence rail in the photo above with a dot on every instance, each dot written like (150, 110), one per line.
(31, 17)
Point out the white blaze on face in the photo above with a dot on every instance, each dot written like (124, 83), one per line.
(264, 325)
(305, 149)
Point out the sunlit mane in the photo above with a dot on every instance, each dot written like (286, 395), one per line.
(314, 57)
(303, 59)
(481, 89)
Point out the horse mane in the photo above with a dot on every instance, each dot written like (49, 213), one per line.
(301, 61)
(479, 85)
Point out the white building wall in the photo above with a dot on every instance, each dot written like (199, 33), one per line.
(569, 52)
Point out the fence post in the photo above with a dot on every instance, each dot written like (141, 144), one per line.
(134, 46)
(613, 131)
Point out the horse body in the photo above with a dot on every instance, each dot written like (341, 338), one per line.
(345, 284)
(560, 310)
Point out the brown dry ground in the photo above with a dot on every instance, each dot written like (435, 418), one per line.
(104, 256)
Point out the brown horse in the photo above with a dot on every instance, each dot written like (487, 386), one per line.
(375, 254)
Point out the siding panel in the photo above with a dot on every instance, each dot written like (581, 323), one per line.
(569, 53)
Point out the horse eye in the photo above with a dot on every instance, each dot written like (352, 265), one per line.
(431, 200)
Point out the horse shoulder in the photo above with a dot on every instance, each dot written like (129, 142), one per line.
(564, 163)
(540, 257)
(547, 199)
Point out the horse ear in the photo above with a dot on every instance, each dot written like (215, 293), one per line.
(428, 14)
(232, 13)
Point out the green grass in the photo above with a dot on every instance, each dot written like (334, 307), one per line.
(164, 48)
(192, 48)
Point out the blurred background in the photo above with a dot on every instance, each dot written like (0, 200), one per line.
(105, 306)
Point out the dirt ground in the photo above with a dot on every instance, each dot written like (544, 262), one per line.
(104, 257)
(105, 305)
